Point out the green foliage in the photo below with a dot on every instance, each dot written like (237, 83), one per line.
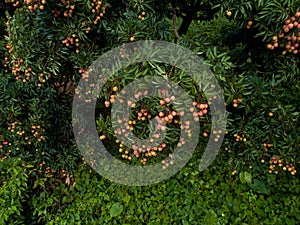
(215, 196)
(267, 15)
(13, 191)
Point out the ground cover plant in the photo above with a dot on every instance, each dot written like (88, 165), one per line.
(252, 47)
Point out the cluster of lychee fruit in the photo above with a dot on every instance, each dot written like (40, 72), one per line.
(71, 41)
(216, 133)
(240, 137)
(98, 9)
(28, 73)
(59, 174)
(69, 7)
(68, 41)
(290, 36)
(36, 130)
(7, 143)
(142, 15)
(41, 165)
(236, 102)
(43, 78)
(56, 13)
(91, 162)
(266, 146)
(88, 29)
(227, 150)
(16, 65)
(12, 127)
(167, 162)
(249, 24)
(85, 75)
(16, 70)
(15, 4)
(142, 151)
(3, 158)
(33, 5)
(143, 114)
(9, 48)
(81, 71)
(166, 115)
(276, 164)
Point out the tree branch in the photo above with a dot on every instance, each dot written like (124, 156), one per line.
(177, 37)
(187, 20)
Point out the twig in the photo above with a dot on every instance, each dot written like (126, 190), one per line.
(177, 37)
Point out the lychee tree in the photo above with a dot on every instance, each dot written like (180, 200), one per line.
(47, 46)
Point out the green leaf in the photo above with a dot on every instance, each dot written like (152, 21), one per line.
(126, 199)
(116, 209)
(259, 186)
(289, 221)
(245, 177)
(211, 217)
(229, 198)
